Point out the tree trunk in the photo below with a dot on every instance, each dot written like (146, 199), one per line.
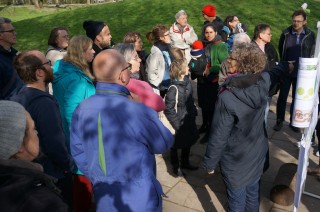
(88, 2)
(36, 3)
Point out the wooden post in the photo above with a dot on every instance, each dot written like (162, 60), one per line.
(284, 184)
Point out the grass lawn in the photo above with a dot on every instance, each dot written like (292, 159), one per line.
(33, 26)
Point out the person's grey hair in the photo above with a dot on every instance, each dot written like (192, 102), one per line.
(240, 38)
(180, 13)
(250, 58)
(126, 49)
(4, 20)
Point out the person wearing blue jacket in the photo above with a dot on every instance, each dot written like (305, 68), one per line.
(71, 85)
(113, 141)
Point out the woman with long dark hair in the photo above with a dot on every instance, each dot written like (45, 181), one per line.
(216, 52)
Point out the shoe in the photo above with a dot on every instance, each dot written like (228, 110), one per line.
(203, 129)
(314, 171)
(314, 144)
(294, 129)
(298, 144)
(278, 125)
(189, 167)
(177, 172)
(317, 154)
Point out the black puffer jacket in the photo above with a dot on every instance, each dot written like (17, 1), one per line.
(238, 138)
(25, 188)
(183, 121)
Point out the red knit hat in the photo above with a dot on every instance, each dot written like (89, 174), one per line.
(197, 45)
(209, 10)
(197, 48)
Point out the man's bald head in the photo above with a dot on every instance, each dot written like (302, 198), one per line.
(108, 65)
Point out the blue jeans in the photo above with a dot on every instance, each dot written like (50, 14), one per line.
(245, 198)
(283, 95)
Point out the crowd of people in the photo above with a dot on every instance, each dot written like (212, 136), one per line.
(82, 122)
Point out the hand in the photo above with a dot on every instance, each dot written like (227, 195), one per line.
(291, 66)
(206, 72)
(211, 172)
(134, 97)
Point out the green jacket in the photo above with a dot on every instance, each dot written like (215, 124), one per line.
(218, 53)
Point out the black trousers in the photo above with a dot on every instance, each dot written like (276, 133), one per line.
(185, 152)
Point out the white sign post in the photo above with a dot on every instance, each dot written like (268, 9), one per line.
(307, 136)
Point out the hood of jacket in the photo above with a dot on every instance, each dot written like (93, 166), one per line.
(27, 95)
(62, 68)
(246, 88)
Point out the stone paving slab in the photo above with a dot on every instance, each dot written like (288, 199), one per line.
(198, 191)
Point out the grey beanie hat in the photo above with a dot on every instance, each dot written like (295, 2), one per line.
(12, 128)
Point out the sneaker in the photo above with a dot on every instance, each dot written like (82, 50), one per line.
(294, 129)
(298, 144)
(278, 125)
(317, 154)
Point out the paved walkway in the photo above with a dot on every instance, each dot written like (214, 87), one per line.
(198, 191)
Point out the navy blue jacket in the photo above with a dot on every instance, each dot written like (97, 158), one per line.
(44, 110)
(10, 82)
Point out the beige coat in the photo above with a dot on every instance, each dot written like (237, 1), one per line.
(155, 66)
(183, 40)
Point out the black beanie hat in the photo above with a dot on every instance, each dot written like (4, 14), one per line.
(93, 28)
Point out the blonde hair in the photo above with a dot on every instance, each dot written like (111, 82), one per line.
(177, 53)
(78, 45)
(177, 68)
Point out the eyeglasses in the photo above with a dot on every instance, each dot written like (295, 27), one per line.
(166, 35)
(48, 62)
(129, 67)
(11, 31)
(297, 21)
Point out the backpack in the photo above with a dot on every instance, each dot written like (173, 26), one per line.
(197, 66)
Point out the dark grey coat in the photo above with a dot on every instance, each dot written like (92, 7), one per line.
(238, 138)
